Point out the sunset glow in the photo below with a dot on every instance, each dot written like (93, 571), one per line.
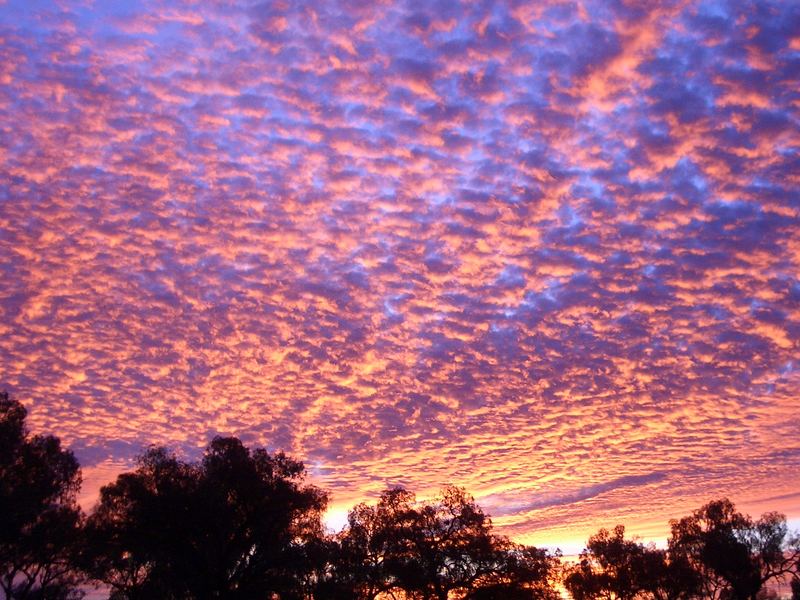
(547, 251)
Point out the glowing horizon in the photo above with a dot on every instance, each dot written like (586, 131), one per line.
(545, 251)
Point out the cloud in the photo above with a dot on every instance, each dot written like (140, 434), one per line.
(546, 252)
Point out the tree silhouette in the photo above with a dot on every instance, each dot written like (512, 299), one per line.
(518, 573)
(364, 553)
(612, 568)
(235, 525)
(735, 555)
(243, 524)
(39, 516)
(433, 550)
(443, 546)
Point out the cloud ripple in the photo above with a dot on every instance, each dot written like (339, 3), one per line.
(545, 250)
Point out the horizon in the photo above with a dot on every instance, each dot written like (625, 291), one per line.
(335, 517)
(547, 252)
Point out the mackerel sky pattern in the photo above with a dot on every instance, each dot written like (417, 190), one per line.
(545, 250)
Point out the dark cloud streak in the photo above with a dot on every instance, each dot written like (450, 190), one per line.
(543, 250)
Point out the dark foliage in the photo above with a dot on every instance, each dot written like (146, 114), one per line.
(362, 555)
(716, 553)
(39, 517)
(242, 524)
(734, 555)
(615, 568)
(239, 524)
(518, 573)
(433, 550)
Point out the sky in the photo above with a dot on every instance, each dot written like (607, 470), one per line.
(547, 251)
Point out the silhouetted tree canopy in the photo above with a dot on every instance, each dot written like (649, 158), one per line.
(612, 567)
(518, 573)
(735, 555)
(363, 552)
(234, 525)
(433, 550)
(716, 552)
(39, 516)
(441, 546)
(243, 524)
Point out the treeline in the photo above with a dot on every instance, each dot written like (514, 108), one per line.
(243, 524)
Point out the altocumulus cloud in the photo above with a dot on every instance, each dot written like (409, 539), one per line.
(548, 251)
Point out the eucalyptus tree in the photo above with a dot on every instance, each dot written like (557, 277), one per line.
(239, 524)
(40, 521)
